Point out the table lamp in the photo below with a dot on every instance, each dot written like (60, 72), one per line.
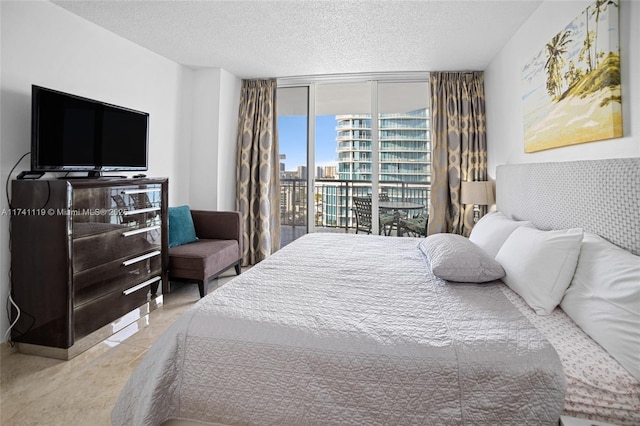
(479, 193)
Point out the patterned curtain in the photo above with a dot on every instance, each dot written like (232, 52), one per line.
(258, 182)
(459, 147)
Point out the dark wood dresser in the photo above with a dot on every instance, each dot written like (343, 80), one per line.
(87, 258)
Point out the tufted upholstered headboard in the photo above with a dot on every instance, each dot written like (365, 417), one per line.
(600, 196)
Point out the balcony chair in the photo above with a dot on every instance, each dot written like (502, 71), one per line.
(414, 227)
(362, 209)
(397, 214)
(212, 245)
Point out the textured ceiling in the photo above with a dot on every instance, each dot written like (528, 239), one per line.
(253, 39)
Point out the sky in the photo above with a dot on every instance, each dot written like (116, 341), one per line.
(292, 139)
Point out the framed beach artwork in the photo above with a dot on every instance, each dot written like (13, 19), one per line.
(571, 88)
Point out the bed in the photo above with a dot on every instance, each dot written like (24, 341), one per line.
(357, 329)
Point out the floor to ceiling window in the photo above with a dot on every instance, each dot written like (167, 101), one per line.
(293, 127)
(342, 152)
(331, 150)
(404, 141)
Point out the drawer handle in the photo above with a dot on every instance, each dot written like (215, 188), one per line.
(141, 258)
(140, 231)
(138, 211)
(139, 286)
(140, 191)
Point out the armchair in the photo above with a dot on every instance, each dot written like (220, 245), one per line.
(218, 248)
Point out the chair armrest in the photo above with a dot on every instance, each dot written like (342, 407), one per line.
(218, 225)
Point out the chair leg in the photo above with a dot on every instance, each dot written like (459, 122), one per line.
(237, 269)
(203, 287)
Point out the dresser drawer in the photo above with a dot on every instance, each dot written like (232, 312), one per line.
(117, 275)
(127, 206)
(105, 309)
(119, 197)
(138, 205)
(115, 242)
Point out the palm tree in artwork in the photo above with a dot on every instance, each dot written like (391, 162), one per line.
(599, 7)
(585, 52)
(588, 42)
(556, 48)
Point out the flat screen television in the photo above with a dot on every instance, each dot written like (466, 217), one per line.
(75, 134)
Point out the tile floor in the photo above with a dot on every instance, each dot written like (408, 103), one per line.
(82, 391)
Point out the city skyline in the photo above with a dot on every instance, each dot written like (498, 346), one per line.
(292, 130)
(344, 141)
(403, 174)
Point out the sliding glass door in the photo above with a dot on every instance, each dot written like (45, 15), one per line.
(404, 143)
(332, 150)
(342, 152)
(293, 141)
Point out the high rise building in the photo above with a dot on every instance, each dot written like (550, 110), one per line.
(404, 163)
(330, 172)
(405, 147)
(302, 172)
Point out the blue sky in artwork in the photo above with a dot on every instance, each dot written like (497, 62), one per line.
(292, 140)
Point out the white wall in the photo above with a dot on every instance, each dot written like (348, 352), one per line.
(44, 44)
(204, 147)
(230, 87)
(213, 151)
(505, 139)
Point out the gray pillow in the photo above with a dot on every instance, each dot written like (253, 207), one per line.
(454, 258)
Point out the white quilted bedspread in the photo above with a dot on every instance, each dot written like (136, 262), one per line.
(347, 329)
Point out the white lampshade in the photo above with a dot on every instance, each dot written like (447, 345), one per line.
(478, 193)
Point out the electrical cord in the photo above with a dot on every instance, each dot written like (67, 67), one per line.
(7, 335)
(6, 186)
(10, 301)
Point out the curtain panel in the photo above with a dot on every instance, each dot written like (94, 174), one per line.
(459, 147)
(258, 182)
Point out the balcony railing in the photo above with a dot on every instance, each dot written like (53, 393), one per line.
(333, 200)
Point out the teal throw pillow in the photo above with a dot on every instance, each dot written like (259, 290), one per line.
(181, 229)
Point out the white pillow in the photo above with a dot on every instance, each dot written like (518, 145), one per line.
(604, 299)
(492, 231)
(539, 264)
(453, 257)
